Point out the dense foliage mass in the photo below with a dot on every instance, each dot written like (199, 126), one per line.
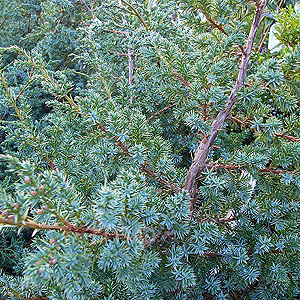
(150, 150)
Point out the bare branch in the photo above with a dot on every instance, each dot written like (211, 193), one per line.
(214, 24)
(219, 27)
(199, 161)
(265, 33)
(181, 79)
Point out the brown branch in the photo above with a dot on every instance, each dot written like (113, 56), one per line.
(237, 167)
(69, 228)
(9, 13)
(116, 31)
(28, 26)
(40, 17)
(263, 37)
(205, 117)
(213, 23)
(168, 184)
(256, 3)
(182, 80)
(51, 164)
(2, 23)
(225, 167)
(161, 111)
(58, 23)
(199, 161)
(118, 143)
(212, 254)
(136, 13)
(249, 123)
(288, 137)
(243, 122)
(121, 54)
(272, 171)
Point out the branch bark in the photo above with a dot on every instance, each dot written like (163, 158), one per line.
(199, 161)
(249, 123)
(66, 228)
(237, 167)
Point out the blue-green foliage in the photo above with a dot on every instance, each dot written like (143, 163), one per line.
(93, 158)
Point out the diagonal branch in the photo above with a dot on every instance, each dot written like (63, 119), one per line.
(160, 112)
(214, 24)
(288, 137)
(143, 166)
(168, 184)
(89, 9)
(219, 27)
(199, 161)
(136, 13)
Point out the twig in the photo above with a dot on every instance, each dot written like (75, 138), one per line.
(11, 98)
(9, 13)
(290, 138)
(58, 23)
(237, 167)
(161, 111)
(214, 24)
(181, 79)
(212, 254)
(90, 9)
(264, 35)
(116, 31)
(51, 164)
(249, 123)
(69, 228)
(24, 88)
(199, 161)
(130, 68)
(129, 55)
(168, 184)
(256, 3)
(2, 23)
(136, 14)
